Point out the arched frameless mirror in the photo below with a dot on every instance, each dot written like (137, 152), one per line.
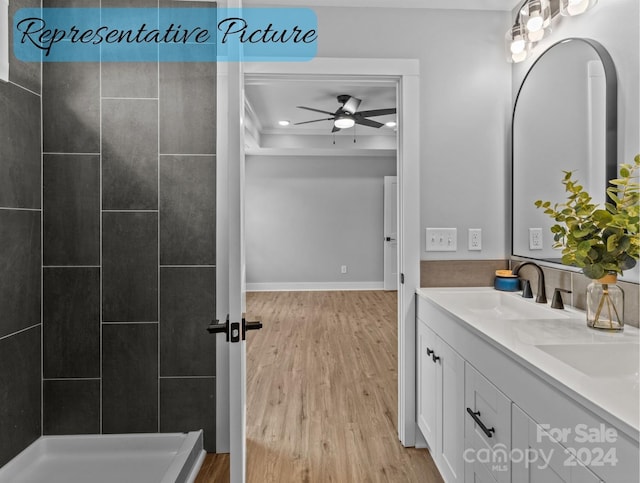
(564, 119)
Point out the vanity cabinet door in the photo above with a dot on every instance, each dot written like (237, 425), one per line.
(451, 413)
(427, 385)
(544, 459)
(487, 428)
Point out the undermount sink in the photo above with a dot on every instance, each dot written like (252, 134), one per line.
(493, 304)
(598, 360)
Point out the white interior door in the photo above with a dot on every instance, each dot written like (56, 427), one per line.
(230, 347)
(391, 233)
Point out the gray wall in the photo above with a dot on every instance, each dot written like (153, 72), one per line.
(20, 213)
(128, 246)
(307, 216)
(464, 109)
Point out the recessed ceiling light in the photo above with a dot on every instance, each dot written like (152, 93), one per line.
(284, 123)
(391, 124)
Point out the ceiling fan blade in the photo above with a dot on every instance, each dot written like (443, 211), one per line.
(315, 120)
(315, 110)
(367, 122)
(376, 112)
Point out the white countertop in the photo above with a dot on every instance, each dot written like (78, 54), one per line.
(617, 395)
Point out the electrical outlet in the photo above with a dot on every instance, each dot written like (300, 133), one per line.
(535, 238)
(343, 269)
(475, 239)
(442, 239)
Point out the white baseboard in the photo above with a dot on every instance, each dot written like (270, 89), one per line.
(312, 286)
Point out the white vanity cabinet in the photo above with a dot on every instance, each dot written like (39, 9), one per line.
(440, 392)
(543, 458)
(475, 373)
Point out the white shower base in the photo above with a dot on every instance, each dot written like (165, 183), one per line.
(127, 458)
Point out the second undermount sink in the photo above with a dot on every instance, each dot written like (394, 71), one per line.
(598, 360)
(493, 304)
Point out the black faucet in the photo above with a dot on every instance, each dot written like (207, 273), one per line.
(541, 295)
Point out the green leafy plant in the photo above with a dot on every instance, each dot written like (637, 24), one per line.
(599, 239)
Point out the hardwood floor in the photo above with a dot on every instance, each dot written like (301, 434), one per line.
(322, 392)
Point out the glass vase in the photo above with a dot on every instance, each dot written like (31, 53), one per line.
(605, 304)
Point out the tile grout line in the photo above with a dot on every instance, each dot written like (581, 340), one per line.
(18, 332)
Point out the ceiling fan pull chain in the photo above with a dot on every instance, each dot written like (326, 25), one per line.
(354, 134)
(334, 138)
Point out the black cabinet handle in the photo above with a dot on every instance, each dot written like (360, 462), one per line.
(429, 352)
(476, 417)
(435, 358)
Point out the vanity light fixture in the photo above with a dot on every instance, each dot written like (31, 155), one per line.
(4, 40)
(344, 122)
(533, 23)
(284, 123)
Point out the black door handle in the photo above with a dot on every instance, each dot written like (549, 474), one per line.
(253, 325)
(388, 238)
(476, 417)
(435, 358)
(429, 351)
(215, 327)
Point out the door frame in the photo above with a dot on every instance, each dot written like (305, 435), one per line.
(387, 274)
(406, 74)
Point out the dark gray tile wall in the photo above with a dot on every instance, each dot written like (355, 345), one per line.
(20, 254)
(188, 206)
(130, 162)
(20, 147)
(187, 108)
(130, 378)
(71, 107)
(26, 74)
(19, 270)
(71, 214)
(187, 304)
(20, 393)
(129, 245)
(71, 321)
(129, 267)
(188, 404)
(71, 406)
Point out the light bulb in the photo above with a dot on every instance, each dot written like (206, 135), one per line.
(535, 23)
(517, 46)
(519, 56)
(284, 123)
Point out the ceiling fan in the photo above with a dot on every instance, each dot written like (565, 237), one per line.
(347, 114)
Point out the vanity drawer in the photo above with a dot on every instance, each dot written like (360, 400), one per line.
(489, 445)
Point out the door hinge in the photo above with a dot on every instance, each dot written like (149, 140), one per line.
(402, 278)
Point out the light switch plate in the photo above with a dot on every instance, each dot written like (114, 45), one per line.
(441, 239)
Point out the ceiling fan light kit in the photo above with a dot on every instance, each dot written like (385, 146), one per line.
(347, 115)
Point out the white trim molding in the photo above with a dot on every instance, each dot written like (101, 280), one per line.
(313, 286)
(4, 40)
